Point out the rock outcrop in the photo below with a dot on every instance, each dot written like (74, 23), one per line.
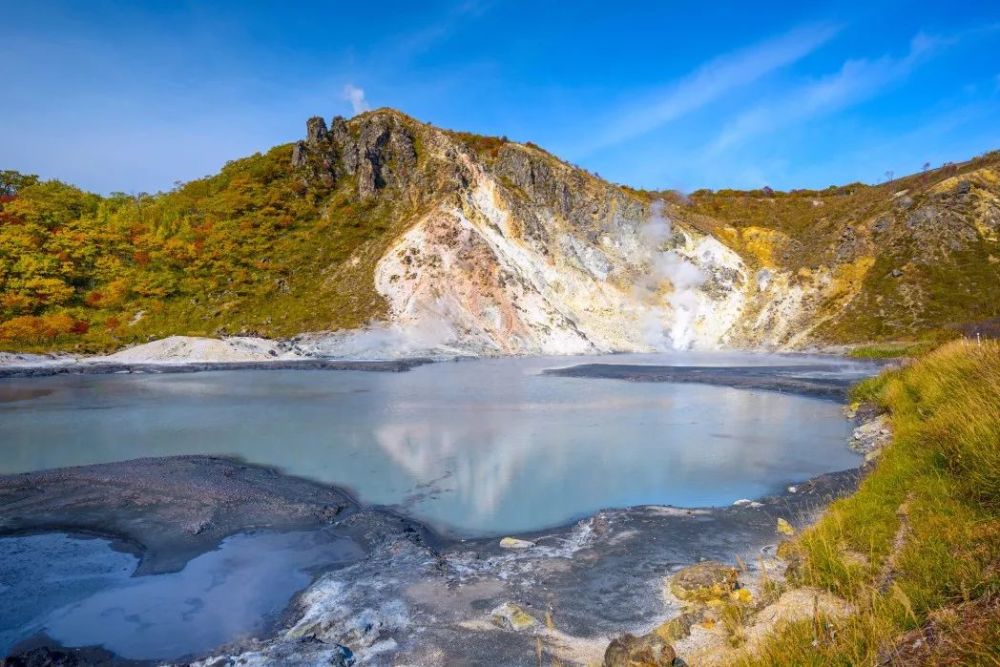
(378, 154)
(509, 250)
(516, 252)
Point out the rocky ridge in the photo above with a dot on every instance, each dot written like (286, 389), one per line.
(381, 236)
(516, 252)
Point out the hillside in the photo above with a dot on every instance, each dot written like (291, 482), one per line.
(483, 245)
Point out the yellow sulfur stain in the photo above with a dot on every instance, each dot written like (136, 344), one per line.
(985, 177)
(785, 528)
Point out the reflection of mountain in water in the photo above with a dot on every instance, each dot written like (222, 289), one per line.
(482, 446)
(479, 464)
(546, 458)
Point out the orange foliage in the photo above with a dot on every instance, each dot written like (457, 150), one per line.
(115, 292)
(94, 299)
(15, 302)
(32, 328)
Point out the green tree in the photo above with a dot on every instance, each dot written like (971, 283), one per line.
(11, 182)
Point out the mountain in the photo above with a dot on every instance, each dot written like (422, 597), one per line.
(394, 234)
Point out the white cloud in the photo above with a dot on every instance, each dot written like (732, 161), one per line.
(712, 81)
(356, 96)
(856, 81)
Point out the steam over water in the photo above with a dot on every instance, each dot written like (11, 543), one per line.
(474, 447)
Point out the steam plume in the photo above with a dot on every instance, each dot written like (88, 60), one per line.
(671, 326)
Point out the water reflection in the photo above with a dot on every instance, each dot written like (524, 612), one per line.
(80, 592)
(485, 446)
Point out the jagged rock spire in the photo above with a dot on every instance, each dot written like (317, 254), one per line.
(316, 131)
(380, 153)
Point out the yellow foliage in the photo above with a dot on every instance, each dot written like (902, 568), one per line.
(741, 596)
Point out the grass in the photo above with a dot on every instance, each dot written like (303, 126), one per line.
(891, 350)
(926, 522)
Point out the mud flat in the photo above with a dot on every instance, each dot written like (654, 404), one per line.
(414, 596)
(805, 380)
(106, 367)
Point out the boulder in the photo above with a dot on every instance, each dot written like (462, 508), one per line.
(679, 626)
(646, 651)
(510, 616)
(704, 581)
(514, 543)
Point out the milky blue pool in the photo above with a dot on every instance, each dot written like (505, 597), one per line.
(474, 447)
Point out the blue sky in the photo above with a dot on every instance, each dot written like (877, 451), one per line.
(135, 96)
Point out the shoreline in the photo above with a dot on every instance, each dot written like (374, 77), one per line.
(782, 379)
(188, 354)
(110, 368)
(613, 557)
(790, 378)
(598, 576)
(345, 504)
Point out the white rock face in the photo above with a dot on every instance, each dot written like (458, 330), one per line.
(186, 349)
(33, 360)
(467, 278)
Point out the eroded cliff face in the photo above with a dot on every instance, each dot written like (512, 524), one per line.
(514, 252)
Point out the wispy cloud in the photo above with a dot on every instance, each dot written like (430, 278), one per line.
(356, 96)
(856, 81)
(712, 81)
(410, 45)
(397, 53)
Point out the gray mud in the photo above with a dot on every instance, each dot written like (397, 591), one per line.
(106, 368)
(415, 596)
(167, 510)
(789, 379)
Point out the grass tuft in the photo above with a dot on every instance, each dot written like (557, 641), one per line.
(926, 521)
(892, 351)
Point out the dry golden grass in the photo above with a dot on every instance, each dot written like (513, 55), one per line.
(926, 520)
